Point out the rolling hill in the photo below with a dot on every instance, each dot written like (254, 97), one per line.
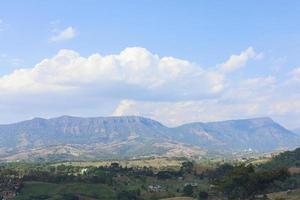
(77, 138)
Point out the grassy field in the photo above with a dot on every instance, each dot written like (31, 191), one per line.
(260, 161)
(41, 190)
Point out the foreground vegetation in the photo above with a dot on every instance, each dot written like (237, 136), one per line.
(146, 179)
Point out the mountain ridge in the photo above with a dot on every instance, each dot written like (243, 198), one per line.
(136, 117)
(131, 136)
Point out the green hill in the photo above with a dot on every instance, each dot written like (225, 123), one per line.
(285, 159)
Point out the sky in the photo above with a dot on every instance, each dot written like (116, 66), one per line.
(173, 61)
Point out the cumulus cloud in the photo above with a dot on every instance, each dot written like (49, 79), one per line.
(65, 34)
(125, 107)
(237, 61)
(134, 72)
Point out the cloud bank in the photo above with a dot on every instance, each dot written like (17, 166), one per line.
(138, 82)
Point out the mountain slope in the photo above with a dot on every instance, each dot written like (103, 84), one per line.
(39, 132)
(261, 134)
(131, 136)
(88, 138)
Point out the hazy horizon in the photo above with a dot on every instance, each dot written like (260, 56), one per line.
(112, 116)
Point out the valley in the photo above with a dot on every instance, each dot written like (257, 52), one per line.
(154, 178)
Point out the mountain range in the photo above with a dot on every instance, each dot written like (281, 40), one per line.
(77, 138)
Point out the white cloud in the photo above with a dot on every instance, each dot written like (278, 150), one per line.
(175, 113)
(254, 97)
(237, 61)
(65, 34)
(257, 104)
(124, 107)
(134, 69)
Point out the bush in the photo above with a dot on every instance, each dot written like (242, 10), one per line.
(188, 190)
(129, 195)
(244, 182)
(202, 195)
(70, 197)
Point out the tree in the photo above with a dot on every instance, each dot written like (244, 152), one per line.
(70, 197)
(187, 167)
(220, 171)
(128, 195)
(115, 165)
(243, 182)
(188, 190)
(202, 195)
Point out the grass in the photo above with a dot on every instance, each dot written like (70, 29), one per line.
(260, 161)
(39, 190)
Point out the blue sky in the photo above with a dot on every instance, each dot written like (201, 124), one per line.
(203, 33)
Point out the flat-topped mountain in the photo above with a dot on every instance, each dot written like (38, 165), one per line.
(132, 136)
(77, 130)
